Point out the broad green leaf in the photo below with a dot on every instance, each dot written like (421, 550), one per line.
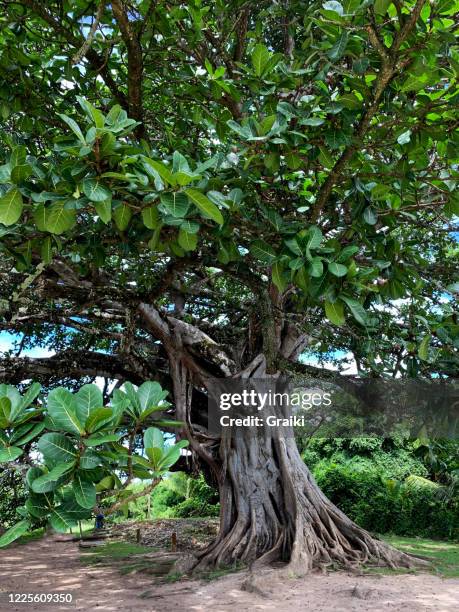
(11, 207)
(95, 190)
(335, 312)
(32, 474)
(153, 438)
(62, 408)
(61, 521)
(39, 506)
(122, 216)
(88, 399)
(73, 125)
(84, 491)
(89, 460)
(5, 410)
(337, 269)
(31, 434)
(57, 448)
(356, 308)
(263, 251)
(206, 207)
(10, 453)
(150, 217)
(92, 112)
(423, 349)
(174, 204)
(260, 58)
(316, 267)
(163, 171)
(370, 215)
(98, 418)
(187, 241)
(150, 394)
(314, 238)
(14, 533)
(48, 482)
(104, 210)
(99, 439)
(278, 277)
(338, 49)
(55, 219)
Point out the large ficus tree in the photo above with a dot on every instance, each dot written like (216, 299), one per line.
(208, 189)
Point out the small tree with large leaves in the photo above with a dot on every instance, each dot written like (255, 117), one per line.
(73, 451)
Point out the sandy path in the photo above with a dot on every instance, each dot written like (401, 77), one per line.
(49, 566)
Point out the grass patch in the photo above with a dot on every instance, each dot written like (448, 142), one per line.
(31, 536)
(115, 551)
(444, 555)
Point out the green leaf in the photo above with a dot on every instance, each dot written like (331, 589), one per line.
(11, 207)
(21, 173)
(61, 521)
(314, 238)
(39, 505)
(5, 410)
(99, 439)
(62, 408)
(263, 251)
(260, 59)
(10, 453)
(150, 394)
(370, 215)
(338, 49)
(174, 204)
(337, 269)
(423, 349)
(46, 250)
(84, 491)
(335, 312)
(170, 457)
(98, 418)
(55, 219)
(206, 207)
(92, 112)
(73, 125)
(316, 267)
(49, 481)
(104, 210)
(187, 241)
(32, 474)
(162, 170)
(122, 216)
(88, 399)
(95, 191)
(356, 308)
(57, 448)
(33, 433)
(278, 277)
(150, 217)
(153, 438)
(14, 533)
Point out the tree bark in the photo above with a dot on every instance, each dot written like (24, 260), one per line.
(273, 510)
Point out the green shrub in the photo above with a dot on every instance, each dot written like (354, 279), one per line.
(377, 501)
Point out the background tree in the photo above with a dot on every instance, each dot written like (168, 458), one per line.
(206, 190)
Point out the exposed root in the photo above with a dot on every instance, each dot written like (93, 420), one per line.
(272, 510)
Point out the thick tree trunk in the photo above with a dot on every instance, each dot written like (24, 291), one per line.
(273, 510)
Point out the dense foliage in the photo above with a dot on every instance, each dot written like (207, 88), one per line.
(73, 450)
(389, 485)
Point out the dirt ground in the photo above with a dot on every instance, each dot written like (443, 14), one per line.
(53, 566)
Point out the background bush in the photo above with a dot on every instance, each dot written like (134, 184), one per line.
(385, 486)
